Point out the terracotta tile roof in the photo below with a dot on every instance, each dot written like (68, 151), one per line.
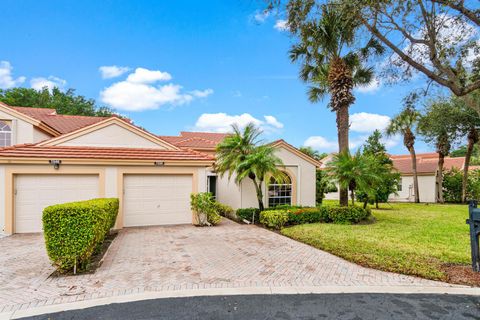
(471, 168)
(69, 152)
(426, 163)
(200, 140)
(61, 123)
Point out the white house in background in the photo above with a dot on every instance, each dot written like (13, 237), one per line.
(426, 170)
(47, 159)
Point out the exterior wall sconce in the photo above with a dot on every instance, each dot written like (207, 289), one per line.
(159, 163)
(55, 163)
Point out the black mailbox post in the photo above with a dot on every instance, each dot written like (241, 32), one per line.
(474, 222)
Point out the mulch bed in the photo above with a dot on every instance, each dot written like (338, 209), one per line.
(96, 259)
(462, 274)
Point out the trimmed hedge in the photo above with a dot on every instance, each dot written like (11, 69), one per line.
(301, 215)
(248, 213)
(347, 215)
(73, 230)
(275, 219)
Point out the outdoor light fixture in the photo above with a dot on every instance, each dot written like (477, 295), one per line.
(55, 163)
(159, 163)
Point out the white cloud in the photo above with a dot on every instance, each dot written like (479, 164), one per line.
(368, 122)
(372, 87)
(142, 75)
(281, 25)
(321, 143)
(6, 79)
(108, 72)
(202, 93)
(139, 92)
(261, 16)
(222, 122)
(236, 94)
(271, 120)
(50, 83)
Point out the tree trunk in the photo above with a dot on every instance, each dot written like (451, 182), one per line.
(376, 203)
(258, 189)
(365, 203)
(340, 87)
(352, 195)
(472, 139)
(439, 178)
(415, 176)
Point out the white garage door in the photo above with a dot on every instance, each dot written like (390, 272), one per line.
(151, 200)
(35, 192)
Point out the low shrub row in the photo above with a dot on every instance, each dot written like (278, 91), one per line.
(277, 218)
(249, 214)
(74, 230)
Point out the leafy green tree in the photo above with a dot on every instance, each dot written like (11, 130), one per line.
(469, 124)
(389, 178)
(329, 60)
(355, 172)
(241, 154)
(63, 102)
(452, 185)
(405, 123)
(440, 127)
(324, 184)
(437, 38)
(309, 151)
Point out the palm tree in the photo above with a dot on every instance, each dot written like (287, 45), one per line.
(355, 172)
(309, 151)
(330, 65)
(405, 123)
(242, 155)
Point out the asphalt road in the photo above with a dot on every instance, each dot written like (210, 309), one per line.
(312, 306)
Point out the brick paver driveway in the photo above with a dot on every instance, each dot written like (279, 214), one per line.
(176, 258)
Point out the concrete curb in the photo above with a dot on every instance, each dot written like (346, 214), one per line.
(240, 291)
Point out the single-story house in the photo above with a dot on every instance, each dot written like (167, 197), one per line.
(46, 158)
(426, 171)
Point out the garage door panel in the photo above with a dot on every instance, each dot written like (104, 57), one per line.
(35, 192)
(157, 200)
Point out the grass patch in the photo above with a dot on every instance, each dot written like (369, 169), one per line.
(413, 239)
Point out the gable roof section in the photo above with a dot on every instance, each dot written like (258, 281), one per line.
(196, 140)
(426, 163)
(106, 122)
(92, 154)
(14, 112)
(62, 123)
(282, 143)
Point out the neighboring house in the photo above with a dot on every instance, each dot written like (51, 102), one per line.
(47, 159)
(426, 170)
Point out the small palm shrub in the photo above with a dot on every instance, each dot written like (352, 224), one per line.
(205, 208)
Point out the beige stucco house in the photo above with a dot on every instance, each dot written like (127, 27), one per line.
(47, 158)
(426, 172)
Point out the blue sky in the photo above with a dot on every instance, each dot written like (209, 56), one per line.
(187, 65)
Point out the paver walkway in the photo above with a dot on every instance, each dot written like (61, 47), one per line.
(176, 258)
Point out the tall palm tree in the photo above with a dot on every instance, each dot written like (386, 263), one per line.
(354, 172)
(331, 65)
(242, 154)
(405, 123)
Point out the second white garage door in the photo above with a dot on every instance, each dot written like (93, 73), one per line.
(151, 200)
(35, 192)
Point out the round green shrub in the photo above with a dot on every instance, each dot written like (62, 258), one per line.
(275, 219)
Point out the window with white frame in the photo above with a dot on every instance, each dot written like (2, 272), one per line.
(399, 185)
(280, 193)
(5, 134)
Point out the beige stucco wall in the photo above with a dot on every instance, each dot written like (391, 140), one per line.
(2, 197)
(244, 195)
(112, 136)
(39, 135)
(426, 185)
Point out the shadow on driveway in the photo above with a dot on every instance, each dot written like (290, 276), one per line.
(308, 306)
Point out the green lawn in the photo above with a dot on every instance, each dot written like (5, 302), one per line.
(413, 239)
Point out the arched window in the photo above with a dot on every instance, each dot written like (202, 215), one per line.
(280, 193)
(5, 134)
